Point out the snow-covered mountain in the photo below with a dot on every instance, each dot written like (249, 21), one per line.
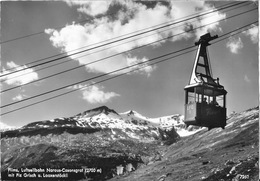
(176, 121)
(131, 122)
(166, 122)
(101, 117)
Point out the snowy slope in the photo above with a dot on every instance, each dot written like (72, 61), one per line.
(165, 122)
(130, 122)
(126, 125)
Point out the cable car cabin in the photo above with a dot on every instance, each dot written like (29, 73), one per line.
(205, 106)
(205, 98)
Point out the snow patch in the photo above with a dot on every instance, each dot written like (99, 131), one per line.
(113, 132)
(248, 122)
(44, 126)
(184, 132)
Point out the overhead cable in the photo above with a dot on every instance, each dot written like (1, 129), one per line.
(92, 78)
(59, 27)
(35, 103)
(105, 44)
(83, 65)
(98, 82)
(43, 68)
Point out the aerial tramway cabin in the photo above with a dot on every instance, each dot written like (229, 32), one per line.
(205, 98)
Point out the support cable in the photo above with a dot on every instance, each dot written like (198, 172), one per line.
(83, 65)
(223, 38)
(105, 44)
(43, 68)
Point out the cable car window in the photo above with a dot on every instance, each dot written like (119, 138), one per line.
(199, 98)
(211, 100)
(191, 97)
(205, 100)
(220, 100)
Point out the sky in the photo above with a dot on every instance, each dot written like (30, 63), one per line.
(66, 27)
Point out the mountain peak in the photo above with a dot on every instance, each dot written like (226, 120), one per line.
(98, 110)
(131, 112)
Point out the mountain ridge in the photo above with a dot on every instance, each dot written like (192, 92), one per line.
(103, 117)
(132, 149)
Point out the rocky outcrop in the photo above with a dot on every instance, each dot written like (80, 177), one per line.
(169, 135)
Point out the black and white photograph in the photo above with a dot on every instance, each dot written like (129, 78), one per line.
(125, 90)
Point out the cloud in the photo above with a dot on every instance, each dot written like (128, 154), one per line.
(252, 33)
(18, 78)
(186, 9)
(143, 68)
(92, 8)
(5, 126)
(131, 17)
(234, 44)
(247, 79)
(18, 97)
(95, 94)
